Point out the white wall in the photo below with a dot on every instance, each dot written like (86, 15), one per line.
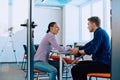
(43, 16)
(71, 24)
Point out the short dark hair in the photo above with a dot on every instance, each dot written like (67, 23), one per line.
(95, 20)
(51, 24)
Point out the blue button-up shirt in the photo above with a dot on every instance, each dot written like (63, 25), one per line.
(99, 47)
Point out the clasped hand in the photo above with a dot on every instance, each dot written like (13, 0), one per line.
(76, 51)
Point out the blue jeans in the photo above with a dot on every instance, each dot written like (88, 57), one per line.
(57, 66)
(46, 67)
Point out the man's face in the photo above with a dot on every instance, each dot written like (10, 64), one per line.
(91, 26)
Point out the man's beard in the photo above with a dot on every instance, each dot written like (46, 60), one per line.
(91, 30)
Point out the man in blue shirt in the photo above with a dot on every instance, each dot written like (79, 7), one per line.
(98, 47)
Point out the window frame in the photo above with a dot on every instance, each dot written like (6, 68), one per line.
(105, 20)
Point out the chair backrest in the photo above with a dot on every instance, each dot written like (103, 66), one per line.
(25, 49)
(36, 46)
(33, 48)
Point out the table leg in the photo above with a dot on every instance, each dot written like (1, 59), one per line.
(61, 66)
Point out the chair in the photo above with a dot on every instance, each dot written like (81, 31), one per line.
(66, 61)
(23, 65)
(36, 46)
(39, 75)
(99, 75)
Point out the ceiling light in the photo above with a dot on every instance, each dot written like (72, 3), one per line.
(43, 1)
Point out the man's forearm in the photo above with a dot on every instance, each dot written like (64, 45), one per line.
(82, 52)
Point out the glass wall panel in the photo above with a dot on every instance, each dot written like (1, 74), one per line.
(13, 36)
(86, 13)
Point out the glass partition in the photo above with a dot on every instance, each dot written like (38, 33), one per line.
(13, 36)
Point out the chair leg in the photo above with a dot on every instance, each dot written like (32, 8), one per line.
(25, 65)
(96, 78)
(26, 76)
(37, 76)
(22, 64)
(90, 78)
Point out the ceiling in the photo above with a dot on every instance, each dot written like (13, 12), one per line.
(59, 3)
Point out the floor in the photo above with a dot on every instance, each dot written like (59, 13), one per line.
(12, 71)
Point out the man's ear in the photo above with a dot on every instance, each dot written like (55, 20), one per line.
(94, 24)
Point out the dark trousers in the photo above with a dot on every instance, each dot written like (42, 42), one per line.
(80, 71)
